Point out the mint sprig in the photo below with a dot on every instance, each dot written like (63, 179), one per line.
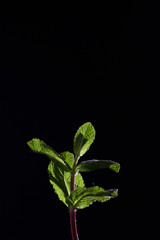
(65, 177)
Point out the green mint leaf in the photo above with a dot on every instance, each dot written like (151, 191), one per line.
(92, 165)
(79, 182)
(68, 158)
(82, 198)
(40, 147)
(57, 179)
(83, 139)
(61, 180)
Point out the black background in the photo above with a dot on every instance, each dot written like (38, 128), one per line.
(62, 66)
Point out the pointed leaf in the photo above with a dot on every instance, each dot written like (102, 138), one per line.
(92, 165)
(56, 178)
(39, 146)
(82, 198)
(83, 139)
(61, 180)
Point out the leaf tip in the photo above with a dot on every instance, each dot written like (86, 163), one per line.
(29, 143)
(34, 144)
(115, 193)
(115, 167)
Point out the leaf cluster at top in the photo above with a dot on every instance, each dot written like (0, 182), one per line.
(62, 166)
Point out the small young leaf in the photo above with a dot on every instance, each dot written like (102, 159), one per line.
(39, 146)
(92, 165)
(79, 182)
(68, 158)
(83, 139)
(82, 198)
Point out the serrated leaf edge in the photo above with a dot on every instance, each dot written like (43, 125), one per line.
(93, 195)
(78, 167)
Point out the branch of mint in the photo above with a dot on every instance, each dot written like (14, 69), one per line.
(64, 173)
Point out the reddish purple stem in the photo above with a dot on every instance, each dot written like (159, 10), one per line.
(73, 224)
(73, 213)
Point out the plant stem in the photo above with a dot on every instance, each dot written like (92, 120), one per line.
(73, 224)
(72, 186)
